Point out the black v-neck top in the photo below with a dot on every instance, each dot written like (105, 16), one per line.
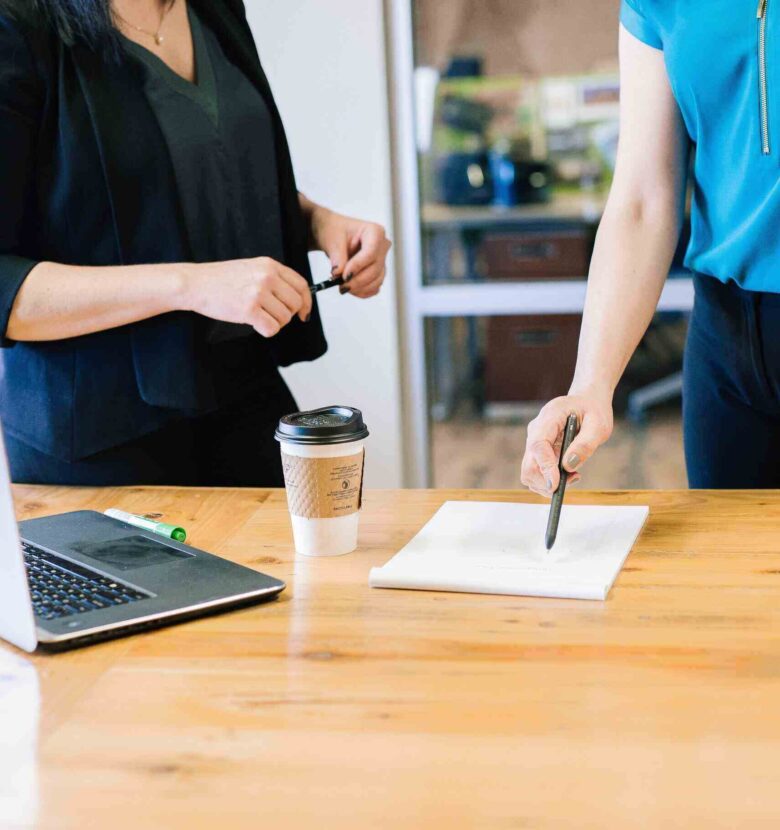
(220, 138)
(87, 178)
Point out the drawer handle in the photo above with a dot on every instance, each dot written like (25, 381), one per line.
(539, 337)
(534, 250)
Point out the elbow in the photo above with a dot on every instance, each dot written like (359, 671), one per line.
(652, 208)
(14, 271)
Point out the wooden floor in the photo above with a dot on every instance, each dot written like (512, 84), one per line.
(474, 453)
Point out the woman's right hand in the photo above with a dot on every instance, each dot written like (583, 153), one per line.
(261, 292)
(539, 471)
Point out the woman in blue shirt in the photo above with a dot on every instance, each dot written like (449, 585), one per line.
(697, 79)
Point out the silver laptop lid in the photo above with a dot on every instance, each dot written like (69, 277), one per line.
(17, 623)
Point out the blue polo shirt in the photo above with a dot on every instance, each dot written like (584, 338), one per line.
(723, 61)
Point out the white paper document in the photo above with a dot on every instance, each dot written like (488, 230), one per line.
(498, 548)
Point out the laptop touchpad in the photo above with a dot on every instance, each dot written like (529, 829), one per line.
(130, 552)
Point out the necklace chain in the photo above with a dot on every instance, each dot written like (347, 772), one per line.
(157, 36)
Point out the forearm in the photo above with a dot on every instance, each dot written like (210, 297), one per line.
(60, 301)
(313, 214)
(634, 249)
(308, 209)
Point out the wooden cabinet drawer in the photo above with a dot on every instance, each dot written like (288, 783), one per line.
(530, 358)
(533, 255)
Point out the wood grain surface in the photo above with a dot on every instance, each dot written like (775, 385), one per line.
(341, 706)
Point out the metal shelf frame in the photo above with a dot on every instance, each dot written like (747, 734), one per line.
(517, 298)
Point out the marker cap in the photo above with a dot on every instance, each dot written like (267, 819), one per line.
(178, 534)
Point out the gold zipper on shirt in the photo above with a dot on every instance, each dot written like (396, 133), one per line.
(763, 93)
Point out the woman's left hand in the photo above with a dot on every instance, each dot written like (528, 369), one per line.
(357, 250)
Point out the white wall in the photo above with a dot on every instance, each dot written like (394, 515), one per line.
(325, 60)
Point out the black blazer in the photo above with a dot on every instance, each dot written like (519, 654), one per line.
(76, 167)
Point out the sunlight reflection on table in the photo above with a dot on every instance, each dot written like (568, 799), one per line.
(19, 710)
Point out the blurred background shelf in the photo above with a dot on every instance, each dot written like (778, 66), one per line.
(504, 159)
(574, 207)
(533, 297)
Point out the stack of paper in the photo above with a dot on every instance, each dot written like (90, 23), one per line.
(498, 548)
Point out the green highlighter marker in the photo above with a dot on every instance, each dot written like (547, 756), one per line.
(178, 534)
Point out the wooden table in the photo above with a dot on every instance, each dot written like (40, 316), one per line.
(343, 707)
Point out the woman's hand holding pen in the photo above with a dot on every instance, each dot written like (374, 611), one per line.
(539, 470)
(261, 292)
(357, 249)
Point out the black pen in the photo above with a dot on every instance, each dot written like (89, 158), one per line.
(569, 434)
(321, 286)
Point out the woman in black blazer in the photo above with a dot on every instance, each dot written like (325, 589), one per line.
(153, 246)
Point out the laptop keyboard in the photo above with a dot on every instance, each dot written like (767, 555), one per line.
(60, 588)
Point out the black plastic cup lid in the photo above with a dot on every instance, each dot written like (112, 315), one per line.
(329, 425)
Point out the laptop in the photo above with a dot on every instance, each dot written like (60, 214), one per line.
(78, 578)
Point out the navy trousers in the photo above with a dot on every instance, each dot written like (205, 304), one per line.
(232, 447)
(731, 389)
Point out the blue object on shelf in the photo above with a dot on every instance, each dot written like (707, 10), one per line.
(464, 179)
(504, 174)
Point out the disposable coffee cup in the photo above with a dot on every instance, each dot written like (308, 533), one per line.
(323, 454)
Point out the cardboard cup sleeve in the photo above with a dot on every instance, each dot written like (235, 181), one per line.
(323, 488)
